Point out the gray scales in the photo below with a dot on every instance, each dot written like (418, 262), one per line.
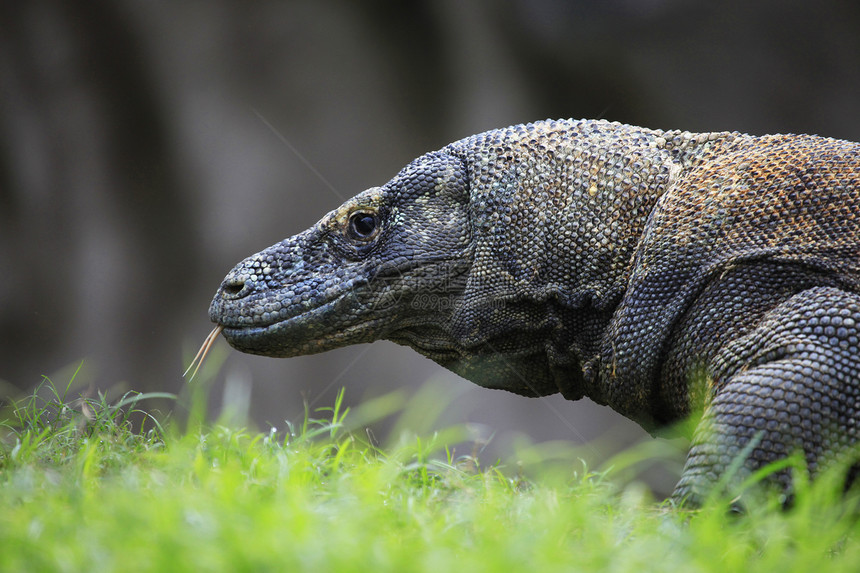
(657, 272)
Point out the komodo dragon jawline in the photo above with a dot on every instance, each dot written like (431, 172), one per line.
(602, 260)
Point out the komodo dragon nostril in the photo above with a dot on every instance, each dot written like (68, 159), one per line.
(235, 288)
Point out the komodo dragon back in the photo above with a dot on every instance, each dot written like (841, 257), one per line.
(604, 260)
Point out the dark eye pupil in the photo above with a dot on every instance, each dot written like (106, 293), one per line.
(363, 225)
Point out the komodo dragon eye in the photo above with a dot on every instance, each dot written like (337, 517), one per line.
(362, 226)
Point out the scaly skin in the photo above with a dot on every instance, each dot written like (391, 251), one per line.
(602, 260)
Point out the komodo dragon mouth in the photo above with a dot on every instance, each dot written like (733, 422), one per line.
(314, 319)
(307, 331)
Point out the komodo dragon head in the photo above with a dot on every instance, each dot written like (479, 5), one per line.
(480, 256)
(390, 263)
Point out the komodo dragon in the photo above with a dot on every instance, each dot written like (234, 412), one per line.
(603, 260)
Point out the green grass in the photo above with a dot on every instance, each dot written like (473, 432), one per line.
(102, 486)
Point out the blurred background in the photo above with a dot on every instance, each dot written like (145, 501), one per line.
(147, 146)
